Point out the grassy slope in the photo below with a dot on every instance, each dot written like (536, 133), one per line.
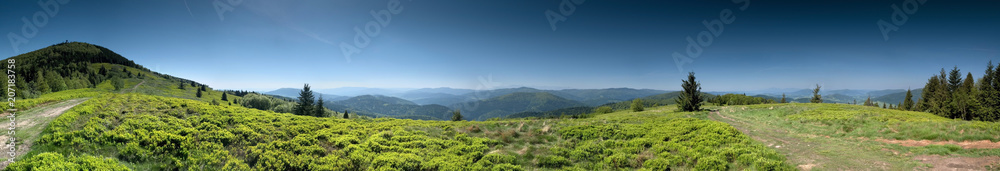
(841, 137)
(153, 132)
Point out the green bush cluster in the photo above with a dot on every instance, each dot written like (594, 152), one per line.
(172, 133)
(673, 143)
(58, 162)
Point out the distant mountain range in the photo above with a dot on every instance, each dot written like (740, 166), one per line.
(436, 103)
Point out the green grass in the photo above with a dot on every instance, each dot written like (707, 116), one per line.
(144, 132)
(839, 136)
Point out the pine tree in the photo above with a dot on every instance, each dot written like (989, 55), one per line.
(181, 86)
(198, 93)
(954, 79)
(305, 106)
(320, 112)
(928, 100)
(868, 102)
(345, 114)
(883, 106)
(456, 115)
(690, 99)
(989, 94)
(908, 101)
(224, 97)
(783, 98)
(816, 97)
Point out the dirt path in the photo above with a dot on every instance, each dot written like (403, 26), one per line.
(796, 153)
(134, 87)
(31, 123)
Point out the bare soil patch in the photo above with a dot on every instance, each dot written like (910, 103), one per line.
(983, 144)
(959, 163)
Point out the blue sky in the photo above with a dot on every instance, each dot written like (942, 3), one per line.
(264, 45)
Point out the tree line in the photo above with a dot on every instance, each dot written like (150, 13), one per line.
(950, 95)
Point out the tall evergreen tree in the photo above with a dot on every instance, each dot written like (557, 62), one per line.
(868, 102)
(954, 79)
(963, 102)
(989, 94)
(816, 97)
(305, 106)
(783, 98)
(224, 97)
(690, 99)
(345, 115)
(928, 98)
(198, 93)
(320, 112)
(908, 101)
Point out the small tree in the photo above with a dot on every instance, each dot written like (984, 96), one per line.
(690, 99)
(198, 93)
(816, 97)
(345, 115)
(783, 98)
(908, 102)
(305, 106)
(118, 83)
(637, 105)
(320, 112)
(224, 97)
(456, 115)
(181, 86)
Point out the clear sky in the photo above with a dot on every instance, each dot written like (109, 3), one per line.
(264, 44)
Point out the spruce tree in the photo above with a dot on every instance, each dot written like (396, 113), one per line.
(954, 79)
(319, 107)
(908, 101)
(181, 86)
(345, 115)
(198, 93)
(989, 94)
(783, 98)
(456, 115)
(928, 98)
(305, 106)
(868, 102)
(690, 99)
(224, 97)
(816, 97)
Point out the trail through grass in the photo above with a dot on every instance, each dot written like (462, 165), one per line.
(30, 124)
(848, 137)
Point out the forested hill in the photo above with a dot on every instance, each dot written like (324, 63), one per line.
(502, 106)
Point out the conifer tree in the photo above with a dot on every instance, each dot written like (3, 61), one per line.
(868, 102)
(690, 99)
(908, 101)
(456, 115)
(989, 94)
(783, 98)
(198, 93)
(816, 97)
(305, 106)
(319, 107)
(883, 106)
(181, 86)
(224, 97)
(345, 114)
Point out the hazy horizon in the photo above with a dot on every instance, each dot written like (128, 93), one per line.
(266, 45)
